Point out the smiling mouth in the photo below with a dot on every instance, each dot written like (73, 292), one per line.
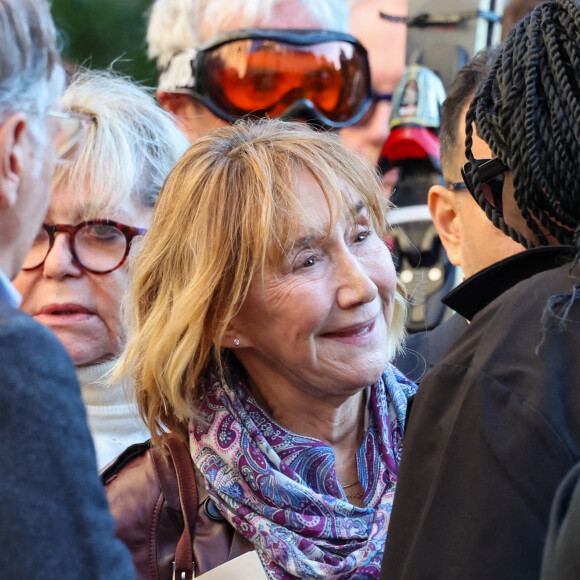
(353, 331)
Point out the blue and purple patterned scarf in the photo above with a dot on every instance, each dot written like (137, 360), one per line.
(280, 490)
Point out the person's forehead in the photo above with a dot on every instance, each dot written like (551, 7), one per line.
(68, 205)
(385, 41)
(288, 14)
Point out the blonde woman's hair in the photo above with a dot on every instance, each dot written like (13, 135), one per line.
(227, 212)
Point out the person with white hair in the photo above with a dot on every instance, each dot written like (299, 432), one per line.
(75, 274)
(54, 519)
(220, 60)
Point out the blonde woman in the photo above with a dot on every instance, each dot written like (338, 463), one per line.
(265, 311)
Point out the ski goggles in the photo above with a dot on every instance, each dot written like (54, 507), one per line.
(316, 75)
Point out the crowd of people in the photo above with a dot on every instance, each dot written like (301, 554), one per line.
(196, 299)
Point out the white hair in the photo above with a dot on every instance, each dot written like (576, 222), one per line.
(131, 145)
(31, 78)
(178, 25)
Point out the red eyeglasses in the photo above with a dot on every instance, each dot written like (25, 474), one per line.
(99, 246)
(312, 74)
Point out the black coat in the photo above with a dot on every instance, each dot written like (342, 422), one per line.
(494, 429)
(562, 549)
(424, 350)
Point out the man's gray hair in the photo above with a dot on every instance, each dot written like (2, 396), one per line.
(30, 73)
(178, 25)
(131, 146)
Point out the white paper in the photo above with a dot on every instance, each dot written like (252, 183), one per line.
(241, 568)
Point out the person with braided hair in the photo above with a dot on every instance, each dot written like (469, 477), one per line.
(495, 426)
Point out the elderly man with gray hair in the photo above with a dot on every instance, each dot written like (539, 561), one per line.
(54, 520)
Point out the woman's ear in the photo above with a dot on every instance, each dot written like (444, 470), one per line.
(235, 337)
(443, 205)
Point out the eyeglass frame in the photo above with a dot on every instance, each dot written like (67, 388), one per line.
(129, 232)
(488, 170)
(298, 37)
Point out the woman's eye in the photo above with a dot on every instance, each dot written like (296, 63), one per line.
(362, 236)
(309, 262)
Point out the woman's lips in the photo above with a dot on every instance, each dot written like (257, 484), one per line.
(355, 334)
(62, 313)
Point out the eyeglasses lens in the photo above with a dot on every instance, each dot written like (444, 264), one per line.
(38, 251)
(249, 75)
(492, 190)
(100, 247)
(97, 247)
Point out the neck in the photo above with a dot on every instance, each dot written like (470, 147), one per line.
(338, 424)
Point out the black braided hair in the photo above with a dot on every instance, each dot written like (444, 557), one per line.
(528, 111)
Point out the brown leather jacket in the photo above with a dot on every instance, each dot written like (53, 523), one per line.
(142, 488)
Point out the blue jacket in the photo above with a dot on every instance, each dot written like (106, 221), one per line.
(54, 518)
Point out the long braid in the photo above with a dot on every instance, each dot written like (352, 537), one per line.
(528, 112)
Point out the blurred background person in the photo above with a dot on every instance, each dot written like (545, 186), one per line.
(386, 45)
(470, 240)
(75, 275)
(54, 519)
(262, 338)
(514, 11)
(220, 60)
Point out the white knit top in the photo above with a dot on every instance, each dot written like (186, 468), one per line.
(113, 419)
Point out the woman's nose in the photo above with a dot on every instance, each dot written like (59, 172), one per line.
(59, 261)
(355, 285)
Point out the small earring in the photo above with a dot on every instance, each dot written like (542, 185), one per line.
(236, 342)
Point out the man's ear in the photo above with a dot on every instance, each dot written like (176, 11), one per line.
(443, 205)
(181, 106)
(12, 151)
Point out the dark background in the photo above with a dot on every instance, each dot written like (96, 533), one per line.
(97, 32)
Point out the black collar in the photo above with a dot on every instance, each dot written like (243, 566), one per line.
(485, 286)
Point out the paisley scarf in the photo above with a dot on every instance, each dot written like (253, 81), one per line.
(280, 489)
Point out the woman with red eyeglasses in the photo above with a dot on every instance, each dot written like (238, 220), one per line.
(74, 276)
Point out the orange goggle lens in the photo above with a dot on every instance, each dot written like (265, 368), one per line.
(266, 77)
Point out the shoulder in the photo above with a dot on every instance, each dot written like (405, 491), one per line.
(37, 376)
(424, 350)
(22, 336)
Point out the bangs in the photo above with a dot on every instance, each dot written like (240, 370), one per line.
(347, 188)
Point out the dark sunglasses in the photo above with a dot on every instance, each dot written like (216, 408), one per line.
(312, 74)
(491, 174)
